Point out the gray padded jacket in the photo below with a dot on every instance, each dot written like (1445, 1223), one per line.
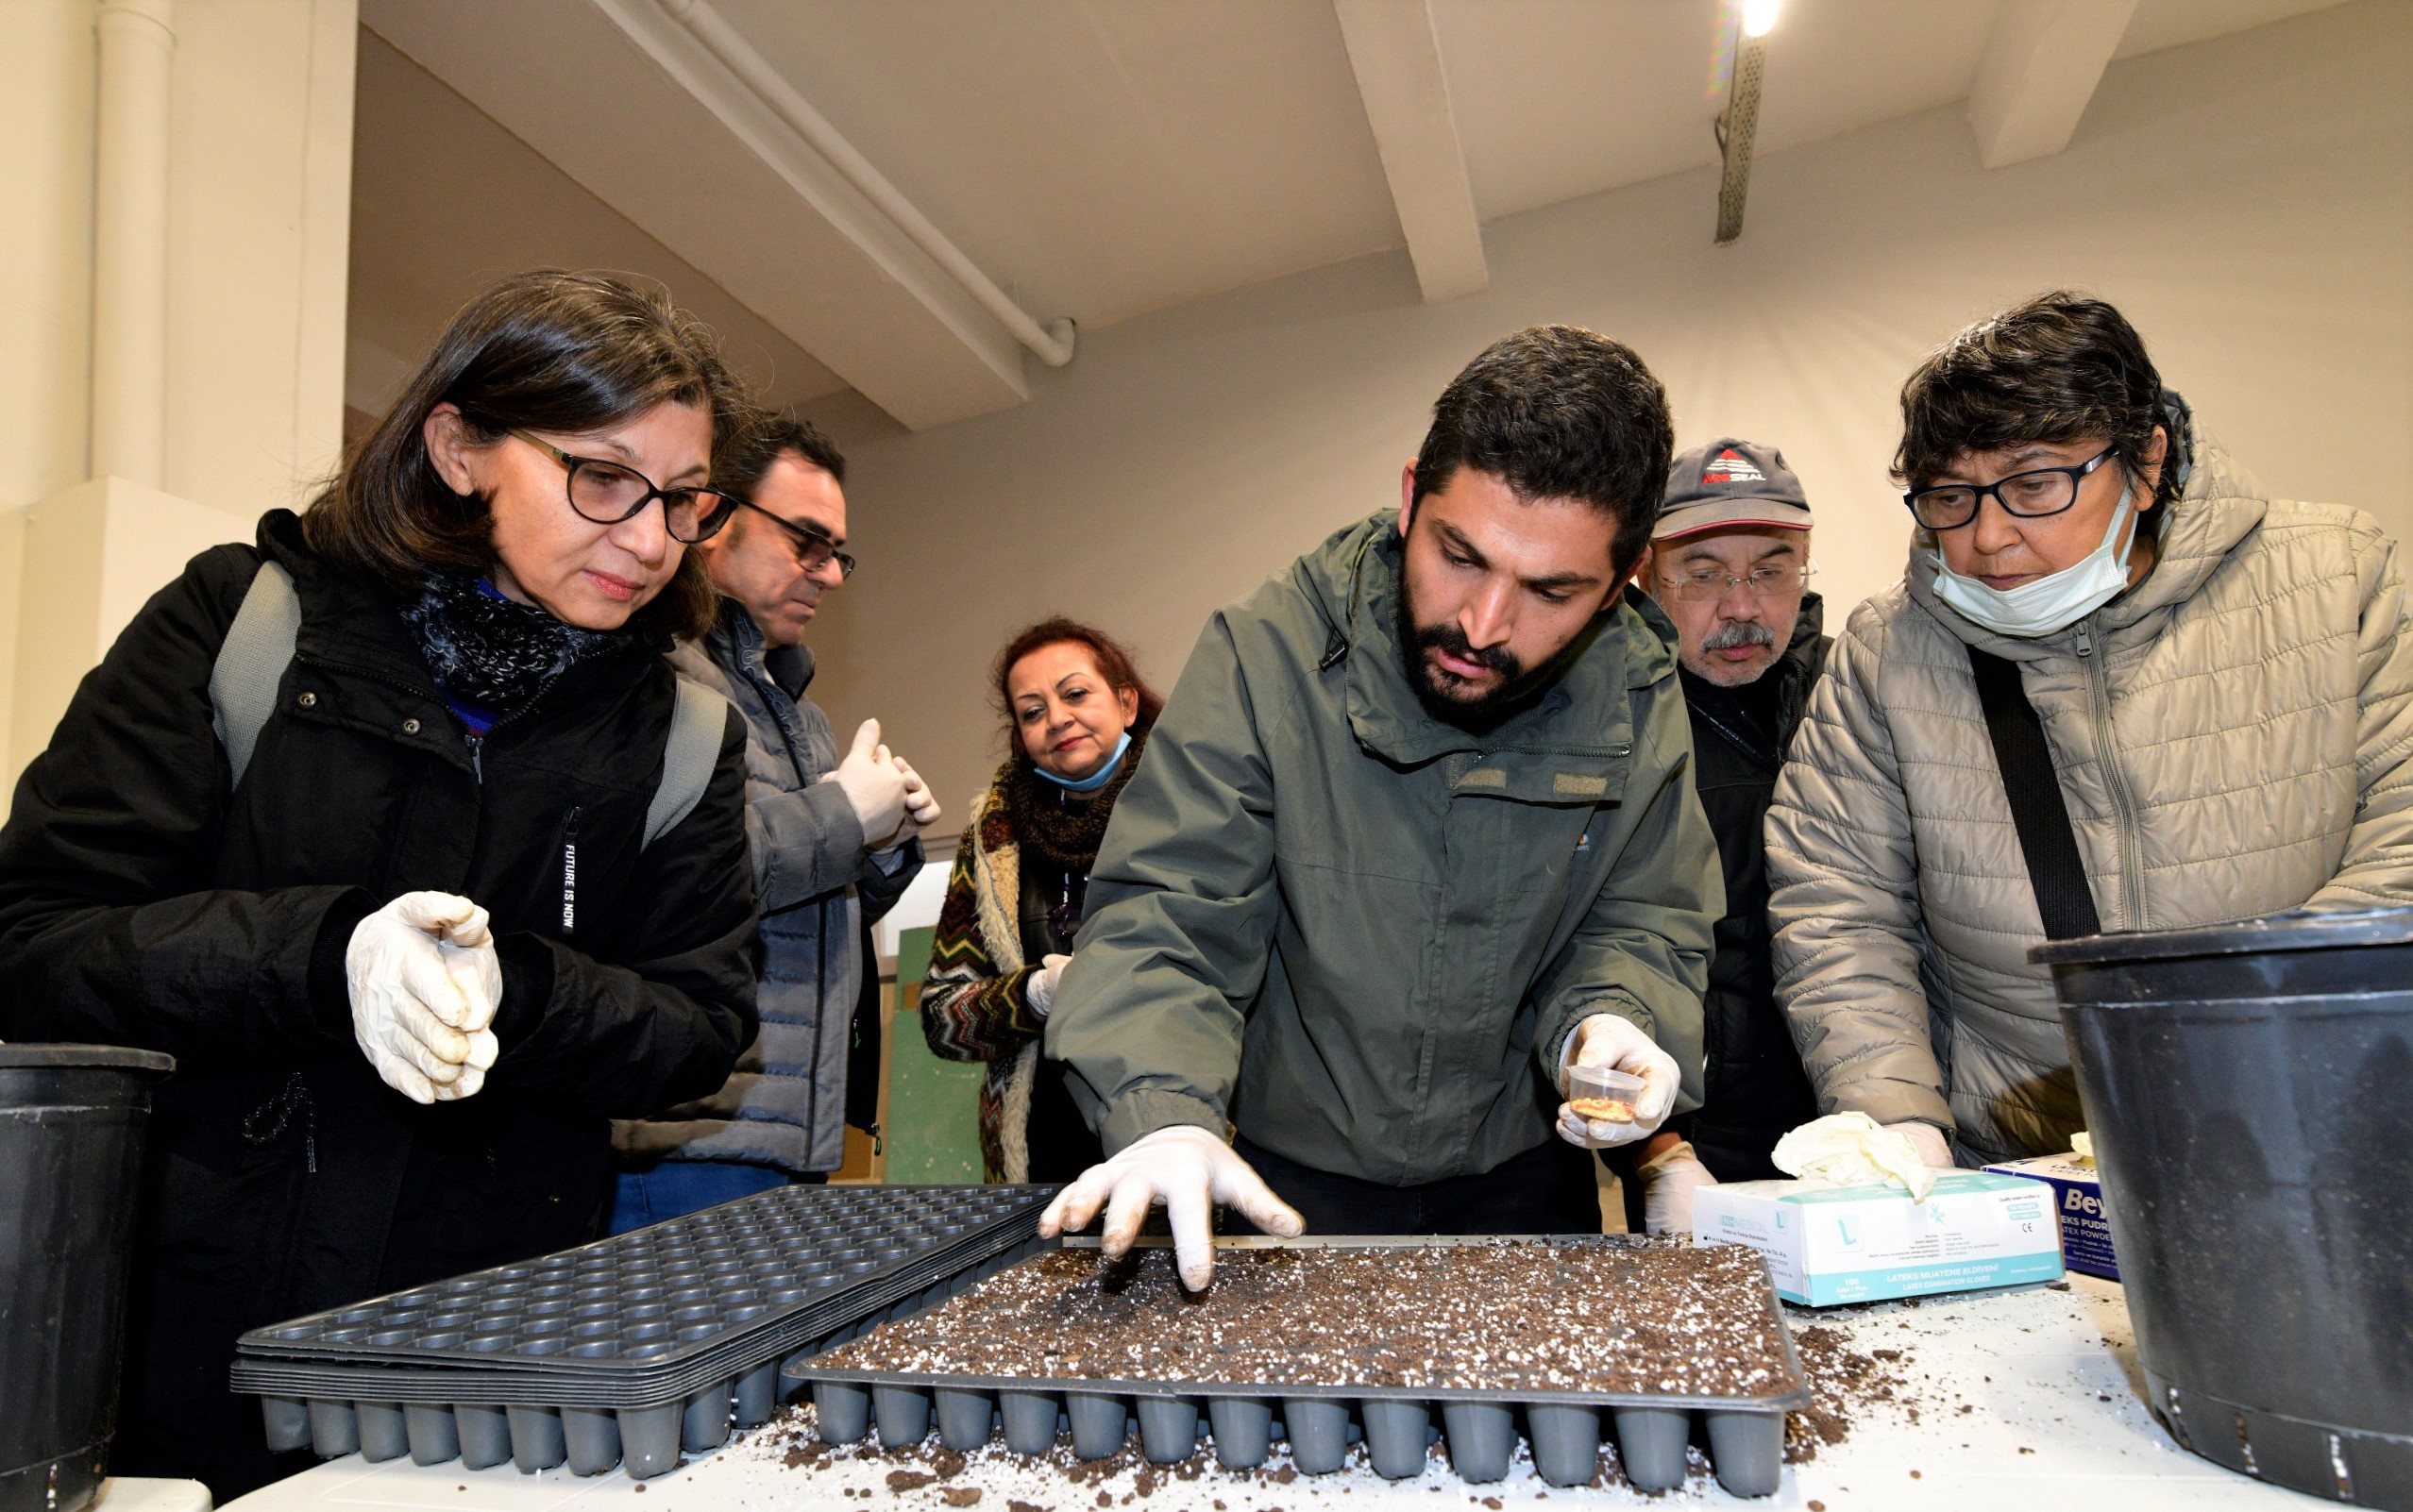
(2230, 737)
(786, 1103)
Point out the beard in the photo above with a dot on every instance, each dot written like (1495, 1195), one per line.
(1452, 699)
(1730, 636)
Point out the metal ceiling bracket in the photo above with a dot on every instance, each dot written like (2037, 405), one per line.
(1736, 126)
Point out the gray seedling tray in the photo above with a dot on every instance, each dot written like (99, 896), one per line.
(1745, 1435)
(475, 1368)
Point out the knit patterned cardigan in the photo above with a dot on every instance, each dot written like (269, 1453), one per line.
(975, 1003)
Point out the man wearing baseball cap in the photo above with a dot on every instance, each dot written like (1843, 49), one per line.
(1728, 561)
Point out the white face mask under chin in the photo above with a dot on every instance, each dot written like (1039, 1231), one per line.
(2051, 603)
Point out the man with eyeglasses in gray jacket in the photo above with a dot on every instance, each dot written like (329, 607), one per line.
(833, 836)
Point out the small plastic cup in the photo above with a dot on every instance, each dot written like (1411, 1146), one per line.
(1603, 1094)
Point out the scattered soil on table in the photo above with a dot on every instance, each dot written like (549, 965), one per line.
(1844, 1383)
(1513, 1317)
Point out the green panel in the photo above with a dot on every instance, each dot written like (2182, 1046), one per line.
(934, 1105)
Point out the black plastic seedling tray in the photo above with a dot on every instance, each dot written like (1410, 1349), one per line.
(1565, 1428)
(631, 1348)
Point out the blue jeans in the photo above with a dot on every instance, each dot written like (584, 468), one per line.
(672, 1188)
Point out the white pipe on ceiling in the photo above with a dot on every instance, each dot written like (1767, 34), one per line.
(131, 239)
(1051, 343)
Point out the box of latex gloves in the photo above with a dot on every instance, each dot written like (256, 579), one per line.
(2078, 1199)
(1974, 1230)
(1868, 1220)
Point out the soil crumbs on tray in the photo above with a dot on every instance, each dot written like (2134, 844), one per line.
(1535, 1317)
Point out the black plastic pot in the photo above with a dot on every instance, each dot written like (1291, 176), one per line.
(2250, 1091)
(71, 1120)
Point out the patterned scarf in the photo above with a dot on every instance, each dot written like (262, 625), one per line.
(493, 652)
(1066, 834)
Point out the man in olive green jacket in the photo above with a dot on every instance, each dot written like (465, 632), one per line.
(1416, 833)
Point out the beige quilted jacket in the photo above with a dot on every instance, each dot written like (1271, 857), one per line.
(2231, 738)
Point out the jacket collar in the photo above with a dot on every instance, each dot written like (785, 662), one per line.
(1585, 719)
(2220, 506)
(738, 641)
(351, 620)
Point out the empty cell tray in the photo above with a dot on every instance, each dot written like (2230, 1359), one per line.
(634, 1348)
(1565, 1343)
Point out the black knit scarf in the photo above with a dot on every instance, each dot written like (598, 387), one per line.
(494, 652)
(1066, 834)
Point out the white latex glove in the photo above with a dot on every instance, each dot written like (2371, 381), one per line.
(425, 984)
(1929, 1141)
(1669, 1179)
(1041, 989)
(1184, 1170)
(1614, 1040)
(921, 805)
(874, 789)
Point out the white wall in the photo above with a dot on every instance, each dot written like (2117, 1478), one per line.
(259, 222)
(2248, 202)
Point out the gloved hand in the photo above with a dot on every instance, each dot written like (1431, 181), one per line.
(1933, 1148)
(1614, 1040)
(1669, 1179)
(921, 808)
(874, 789)
(425, 984)
(1041, 989)
(1185, 1170)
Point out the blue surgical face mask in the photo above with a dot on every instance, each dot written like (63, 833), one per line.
(1095, 779)
(2052, 602)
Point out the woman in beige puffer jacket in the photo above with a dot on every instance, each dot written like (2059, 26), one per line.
(2230, 736)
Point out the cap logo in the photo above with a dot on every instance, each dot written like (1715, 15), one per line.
(1731, 466)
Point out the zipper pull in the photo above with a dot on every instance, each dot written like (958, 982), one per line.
(569, 873)
(2085, 641)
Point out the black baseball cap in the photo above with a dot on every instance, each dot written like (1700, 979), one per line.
(1730, 481)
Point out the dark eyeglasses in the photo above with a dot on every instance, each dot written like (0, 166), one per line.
(814, 549)
(608, 493)
(2028, 496)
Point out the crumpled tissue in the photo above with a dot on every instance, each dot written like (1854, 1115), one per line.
(1853, 1150)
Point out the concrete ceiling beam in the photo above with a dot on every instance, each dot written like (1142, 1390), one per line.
(2040, 68)
(1397, 62)
(629, 103)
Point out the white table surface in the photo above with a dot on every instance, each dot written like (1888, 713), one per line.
(120, 1493)
(2055, 1421)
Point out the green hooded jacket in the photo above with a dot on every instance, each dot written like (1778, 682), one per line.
(1362, 934)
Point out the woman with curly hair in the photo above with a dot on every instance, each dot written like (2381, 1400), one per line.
(1077, 715)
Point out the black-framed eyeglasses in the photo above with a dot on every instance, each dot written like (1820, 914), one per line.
(814, 549)
(608, 493)
(1770, 580)
(2028, 496)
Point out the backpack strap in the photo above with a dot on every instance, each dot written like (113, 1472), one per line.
(251, 663)
(2038, 812)
(698, 720)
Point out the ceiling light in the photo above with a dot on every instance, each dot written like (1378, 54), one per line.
(1760, 17)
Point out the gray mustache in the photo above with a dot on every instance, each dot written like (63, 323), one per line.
(1738, 632)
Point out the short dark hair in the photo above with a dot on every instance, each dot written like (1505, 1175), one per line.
(741, 464)
(1115, 664)
(546, 350)
(2059, 367)
(1557, 411)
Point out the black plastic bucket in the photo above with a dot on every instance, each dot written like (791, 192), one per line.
(71, 1153)
(2250, 1091)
